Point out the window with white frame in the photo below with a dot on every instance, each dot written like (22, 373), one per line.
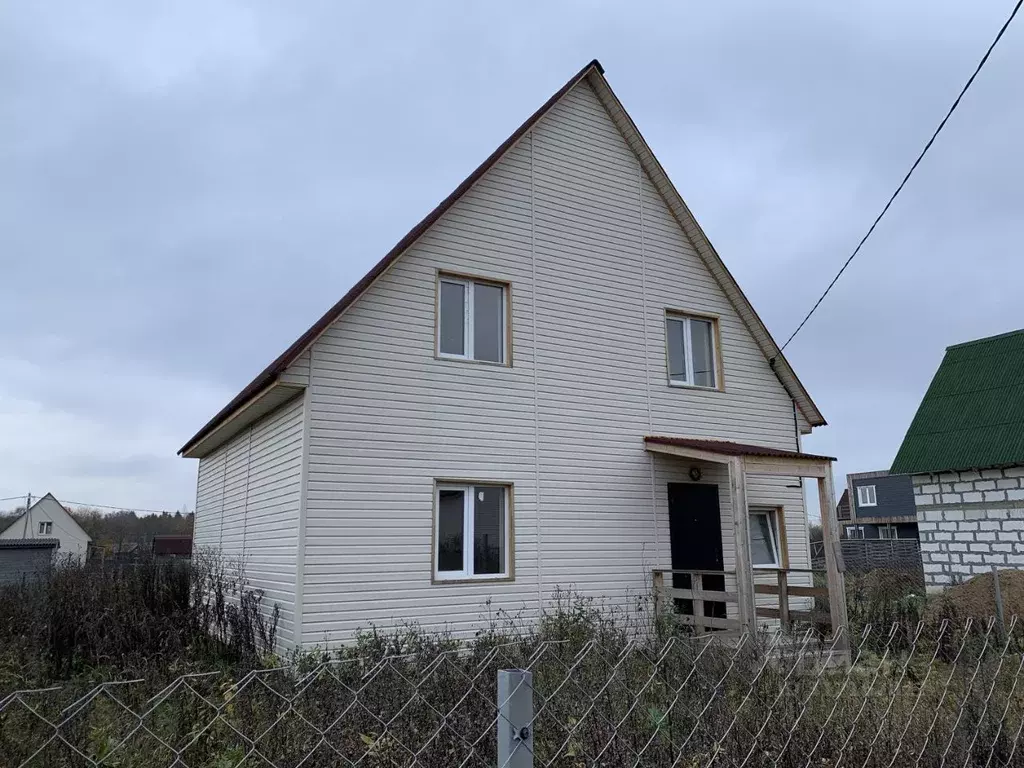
(46, 528)
(855, 531)
(691, 351)
(472, 319)
(866, 496)
(764, 538)
(471, 534)
(888, 532)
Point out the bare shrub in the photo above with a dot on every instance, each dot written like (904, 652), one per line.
(149, 617)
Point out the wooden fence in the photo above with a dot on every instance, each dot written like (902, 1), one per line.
(868, 554)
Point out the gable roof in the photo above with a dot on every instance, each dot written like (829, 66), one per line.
(40, 500)
(594, 74)
(972, 415)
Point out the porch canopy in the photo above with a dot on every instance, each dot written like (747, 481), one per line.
(745, 459)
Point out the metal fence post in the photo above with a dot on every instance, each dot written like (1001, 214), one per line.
(515, 718)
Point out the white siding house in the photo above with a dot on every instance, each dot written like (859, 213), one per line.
(353, 469)
(48, 519)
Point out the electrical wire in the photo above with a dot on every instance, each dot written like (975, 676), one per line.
(114, 506)
(906, 178)
(119, 508)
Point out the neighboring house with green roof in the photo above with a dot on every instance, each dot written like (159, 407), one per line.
(965, 453)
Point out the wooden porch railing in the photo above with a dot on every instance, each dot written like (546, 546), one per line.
(782, 589)
(663, 595)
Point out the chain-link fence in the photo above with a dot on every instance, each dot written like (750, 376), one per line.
(945, 693)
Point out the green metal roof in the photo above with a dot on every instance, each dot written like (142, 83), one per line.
(972, 415)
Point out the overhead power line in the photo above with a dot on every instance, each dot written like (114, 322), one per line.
(119, 508)
(115, 506)
(906, 178)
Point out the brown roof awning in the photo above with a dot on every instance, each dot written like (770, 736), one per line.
(729, 448)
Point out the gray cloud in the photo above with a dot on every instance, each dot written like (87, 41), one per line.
(184, 188)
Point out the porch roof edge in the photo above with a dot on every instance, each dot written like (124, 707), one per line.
(728, 448)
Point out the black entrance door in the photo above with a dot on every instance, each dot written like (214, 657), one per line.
(695, 533)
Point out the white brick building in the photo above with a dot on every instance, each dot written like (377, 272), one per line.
(965, 452)
(969, 521)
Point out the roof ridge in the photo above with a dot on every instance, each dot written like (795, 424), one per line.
(985, 339)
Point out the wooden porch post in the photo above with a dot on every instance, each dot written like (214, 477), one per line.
(658, 586)
(741, 530)
(830, 534)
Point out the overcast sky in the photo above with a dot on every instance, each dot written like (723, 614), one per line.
(186, 186)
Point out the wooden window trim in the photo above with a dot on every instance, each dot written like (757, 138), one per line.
(510, 528)
(716, 349)
(467, 278)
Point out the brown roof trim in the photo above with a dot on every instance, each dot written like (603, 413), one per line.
(286, 358)
(729, 448)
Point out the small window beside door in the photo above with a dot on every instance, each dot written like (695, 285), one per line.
(692, 351)
(472, 532)
(765, 549)
(472, 319)
(866, 496)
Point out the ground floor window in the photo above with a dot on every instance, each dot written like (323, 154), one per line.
(764, 538)
(855, 531)
(471, 532)
(888, 532)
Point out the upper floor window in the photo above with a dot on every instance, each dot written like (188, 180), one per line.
(472, 321)
(471, 534)
(692, 355)
(866, 496)
(46, 528)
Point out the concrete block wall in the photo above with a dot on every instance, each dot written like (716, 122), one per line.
(969, 521)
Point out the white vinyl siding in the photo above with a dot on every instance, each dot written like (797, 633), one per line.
(247, 508)
(595, 257)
